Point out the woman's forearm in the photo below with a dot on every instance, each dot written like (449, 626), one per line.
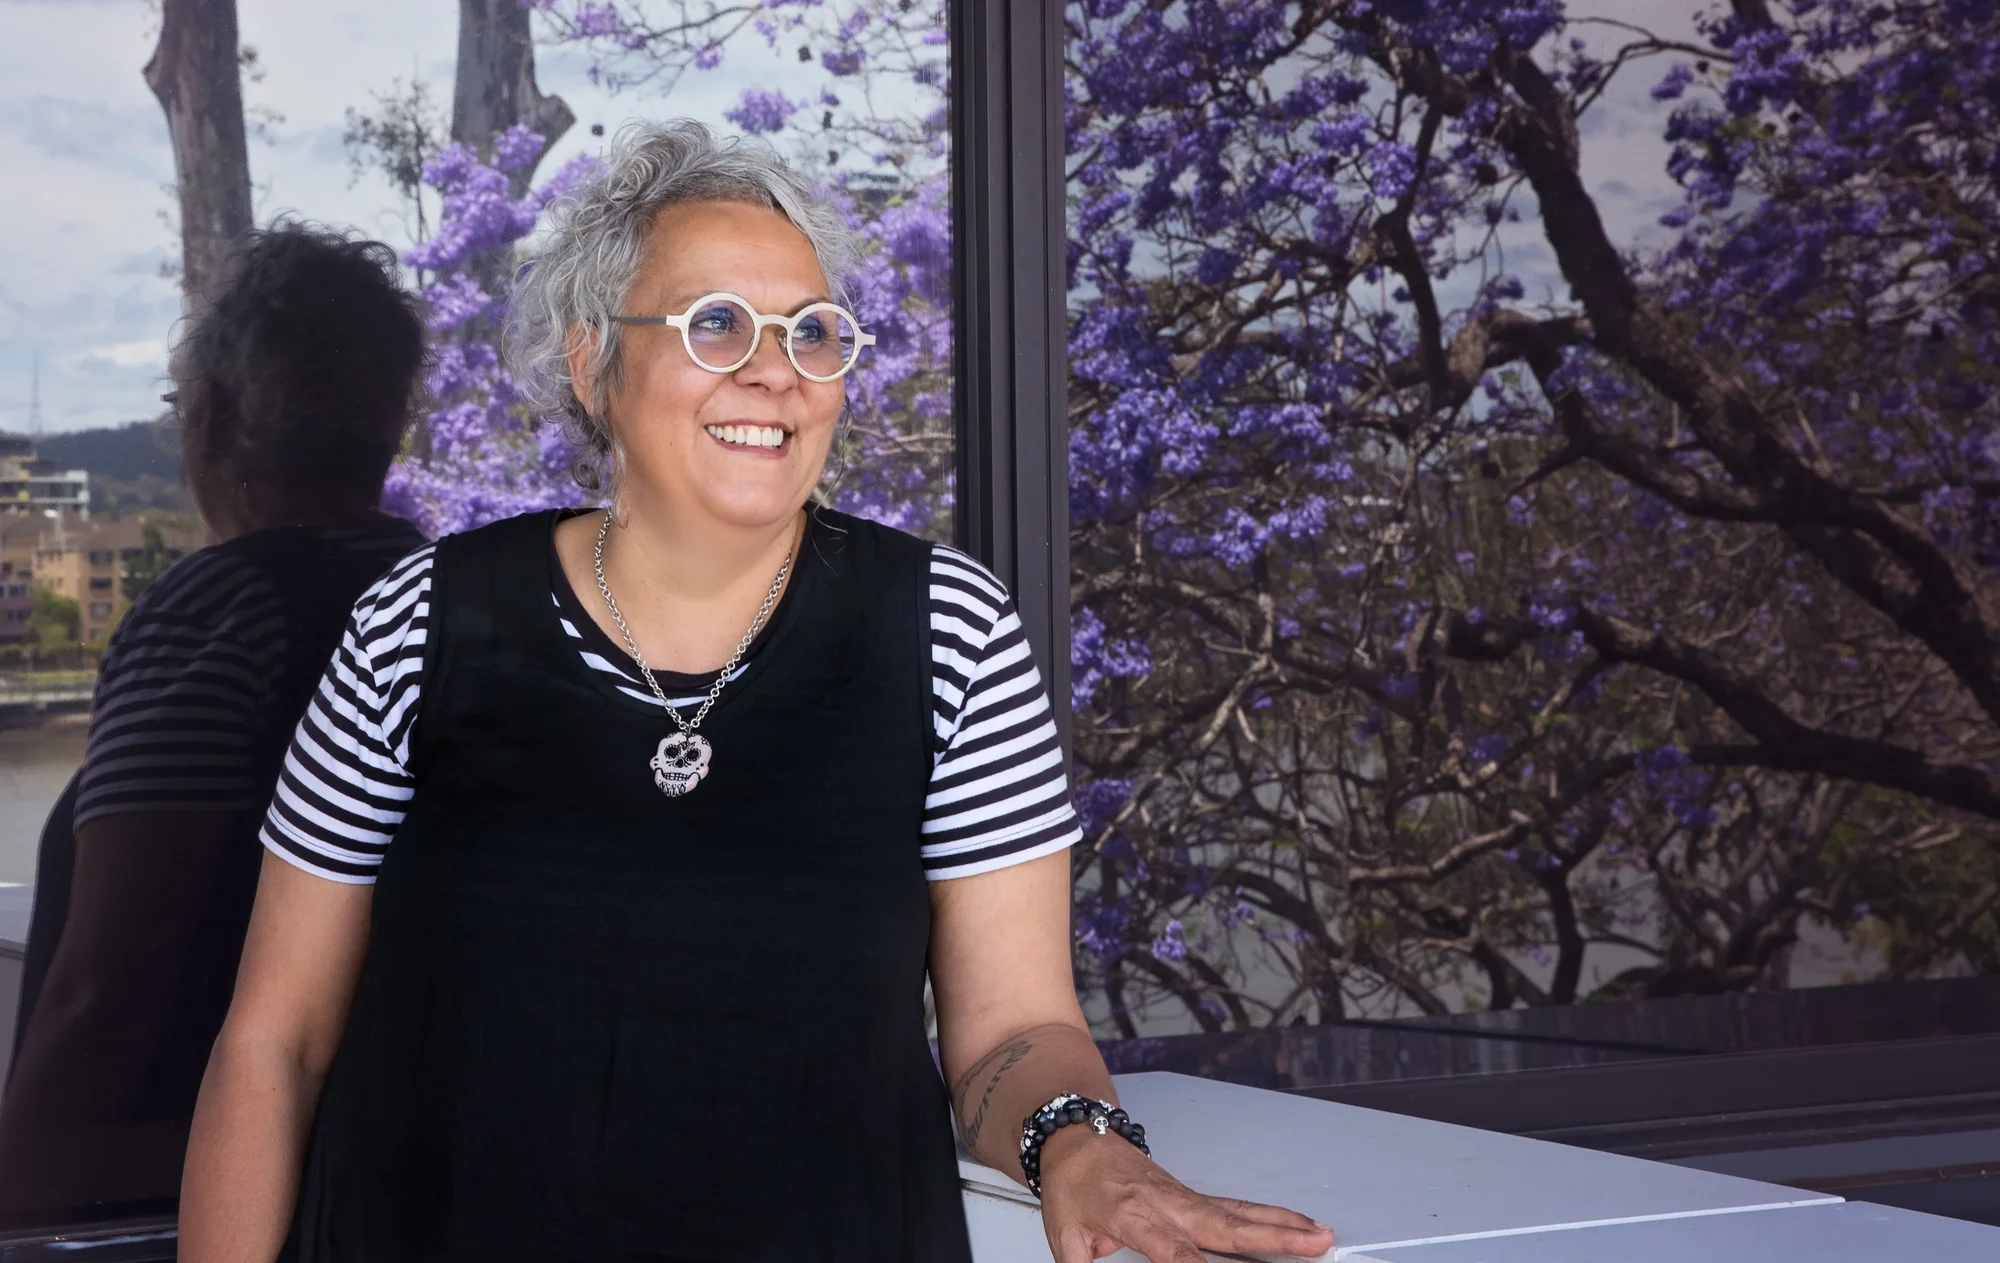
(245, 1151)
(1017, 1077)
(87, 1045)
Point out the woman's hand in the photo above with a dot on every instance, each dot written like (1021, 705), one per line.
(1011, 1037)
(1100, 1193)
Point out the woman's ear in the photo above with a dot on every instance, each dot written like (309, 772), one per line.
(581, 352)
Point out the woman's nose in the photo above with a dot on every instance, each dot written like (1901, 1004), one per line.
(768, 364)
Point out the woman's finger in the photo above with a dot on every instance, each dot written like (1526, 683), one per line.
(1266, 1214)
(1160, 1230)
(1219, 1225)
(1165, 1245)
(1073, 1245)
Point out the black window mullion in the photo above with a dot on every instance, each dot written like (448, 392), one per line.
(1011, 365)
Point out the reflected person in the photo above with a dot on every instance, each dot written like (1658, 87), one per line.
(610, 860)
(293, 387)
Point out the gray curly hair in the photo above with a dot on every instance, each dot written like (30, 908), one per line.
(596, 239)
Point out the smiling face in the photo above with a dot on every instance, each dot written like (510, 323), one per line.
(742, 449)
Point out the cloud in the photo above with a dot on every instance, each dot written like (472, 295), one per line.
(145, 353)
(90, 131)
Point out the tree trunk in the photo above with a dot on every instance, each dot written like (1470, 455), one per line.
(495, 86)
(493, 89)
(194, 73)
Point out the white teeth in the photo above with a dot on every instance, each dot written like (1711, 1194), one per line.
(749, 435)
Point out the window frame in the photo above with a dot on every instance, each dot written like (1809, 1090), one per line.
(1010, 376)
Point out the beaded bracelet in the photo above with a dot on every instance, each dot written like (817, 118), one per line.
(1064, 1110)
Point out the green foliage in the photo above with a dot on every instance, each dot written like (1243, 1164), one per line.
(120, 497)
(403, 133)
(127, 453)
(54, 622)
(151, 562)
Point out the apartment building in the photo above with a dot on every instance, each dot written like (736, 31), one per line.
(29, 483)
(20, 535)
(83, 559)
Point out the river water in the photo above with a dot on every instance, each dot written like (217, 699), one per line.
(35, 764)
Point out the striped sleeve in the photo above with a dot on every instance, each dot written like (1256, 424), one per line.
(998, 792)
(346, 781)
(179, 696)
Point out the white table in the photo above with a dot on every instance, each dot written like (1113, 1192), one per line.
(1846, 1232)
(1395, 1188)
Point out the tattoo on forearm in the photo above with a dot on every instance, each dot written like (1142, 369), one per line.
(972, 1121)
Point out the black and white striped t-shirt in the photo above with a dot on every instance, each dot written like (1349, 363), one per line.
(997, 794)
(184, 690)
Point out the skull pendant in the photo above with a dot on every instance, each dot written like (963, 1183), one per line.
(680, 763)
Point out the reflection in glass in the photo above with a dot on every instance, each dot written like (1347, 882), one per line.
(293, 392)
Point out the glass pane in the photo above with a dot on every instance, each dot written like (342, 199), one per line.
(139, 887)
(1511, 590)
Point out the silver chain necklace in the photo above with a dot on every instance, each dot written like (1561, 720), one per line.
(682, 760)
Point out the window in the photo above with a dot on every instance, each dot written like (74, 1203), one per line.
(1437, 689)
(862, 112)
(1449, 700)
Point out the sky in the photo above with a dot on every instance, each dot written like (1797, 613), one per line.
(86, 227)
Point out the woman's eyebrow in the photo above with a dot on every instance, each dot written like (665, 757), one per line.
(681, 300)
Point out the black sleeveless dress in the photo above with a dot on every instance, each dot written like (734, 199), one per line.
(599, 1023)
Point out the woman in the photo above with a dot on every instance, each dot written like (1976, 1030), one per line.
(616, 826)
(292, 394)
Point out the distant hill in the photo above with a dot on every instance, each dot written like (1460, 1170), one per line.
(133, 467)
(125, 453)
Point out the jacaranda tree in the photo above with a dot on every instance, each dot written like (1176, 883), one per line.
(1436, 638)
(1430, 637)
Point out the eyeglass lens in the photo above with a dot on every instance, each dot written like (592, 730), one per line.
(825, 341)
(721, 334)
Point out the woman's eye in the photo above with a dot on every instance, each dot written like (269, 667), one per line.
(812, 331)
(716, 320)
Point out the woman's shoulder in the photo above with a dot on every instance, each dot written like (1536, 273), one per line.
(211, 623)
(832, 525)
(209, 588)
(954, 568)
(942, 564)
(398, 601)
(531, 527)
(969, 604)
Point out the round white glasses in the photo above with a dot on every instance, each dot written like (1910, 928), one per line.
(721, 332)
